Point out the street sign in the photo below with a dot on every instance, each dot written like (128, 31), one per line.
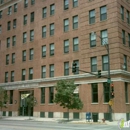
(109, 81)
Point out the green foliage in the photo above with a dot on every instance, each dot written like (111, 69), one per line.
(65, 95)
(31, 101)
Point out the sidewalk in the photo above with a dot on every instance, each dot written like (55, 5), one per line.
(58, 120)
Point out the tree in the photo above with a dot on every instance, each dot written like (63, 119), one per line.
(3, 99)
(65, 95)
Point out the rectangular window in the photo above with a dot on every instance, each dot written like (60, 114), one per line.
(104, 37)
(0, 28)
(44, 31)
(32, 17)
(51, 94)
(126, 92)
(30, 73)
(92, 40)
(9, 10)
(66, 4)
(75, 22)
(15, 7)
(105, 62)
(52, 27)
(31, 54)
(92, 16)
(14, 23)
(44, 51)
(66, 68)
(24, 37)
(12, 76)
(125, 62)
(75, 3)
(122, 12)
(9, 25)
(94, 92)
(31, 35)
(43, 95)
(128, 17)
(23, 74)
(7, 59)
(106, 87)
(129, 39)
(13, 58)
(1, 14)
(8, 42)
(93, 64)
(51, 70)
(25, 19)
(52, 9)
(103, 13)
(1, 1)
(24, 55)
(52, 49)
(6, 77)
(75, 44)
(25, 3)
(123, 36)
(77, 68)
(44, 12)
(43, 75)
(32, 2)
(13, 40)
(11, 97)
(66, 25)
(66, 46)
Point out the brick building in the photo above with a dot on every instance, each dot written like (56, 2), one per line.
(39, 41)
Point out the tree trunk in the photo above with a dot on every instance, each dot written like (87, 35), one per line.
(68, 114)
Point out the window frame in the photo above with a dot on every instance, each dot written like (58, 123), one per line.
(92, 18)
(43, 51)
(30, 73)
(44, 12)
(31, 35)
(94, 88)
(66, 4)
(52, 49)
(52, 9)
(52, 28)
(75, 3)
(66, 68)
(103, 13)
(105, 63)
(52, 69)
(94, 64)
(75, 22)
(75, 44)
(66, 47)
(23, 74)
(43, 72)
(12, 76)
(31, 54)
(44, 31)
(66, 25)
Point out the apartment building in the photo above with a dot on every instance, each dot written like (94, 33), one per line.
(39, 41)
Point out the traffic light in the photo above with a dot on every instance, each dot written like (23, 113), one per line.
(99, 73)
(74, 66)
(112, 90)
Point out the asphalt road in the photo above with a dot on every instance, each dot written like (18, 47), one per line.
(34, 125)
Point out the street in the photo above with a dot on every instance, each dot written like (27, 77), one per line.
(34, 125)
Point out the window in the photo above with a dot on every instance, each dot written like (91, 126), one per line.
(75, 3)
(6, 77)
(9, 25)
(44, 12)
(94, 92)
(75, 44)
(43, 95)
(77, 67)
(51, 70)
(66, 46)
(126, 92)
(128, 17)
(32, 2)
(14, 23)
(103, 13)
(7, 59)
(125, 62)
(25, 3)
(92, 16)
(129, 39)
(92, 40)
(66, 25)
(52, 27)
(44, 31)
(30, 73)
(0, 28)
(9, 10)
(13, 58)
(105, 62)
(52, 9)
(66, 4)
(23, 74)
(52, 49)
(44, 51)
(31, 35)
(31, 54)
(24, 37)
(1, 14)
(24, 55)
(43, 75)
(75, 22)
(122, 12)
(1, 1)
(8, 42)
(66, 68)
(123, 36)
(15, 7)
(11, 97)
(25, 19)
(51, 94)
(93, 64)
(13, 40)
(106, 87)
(12, 76)
(104, 37)
(32, 17)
